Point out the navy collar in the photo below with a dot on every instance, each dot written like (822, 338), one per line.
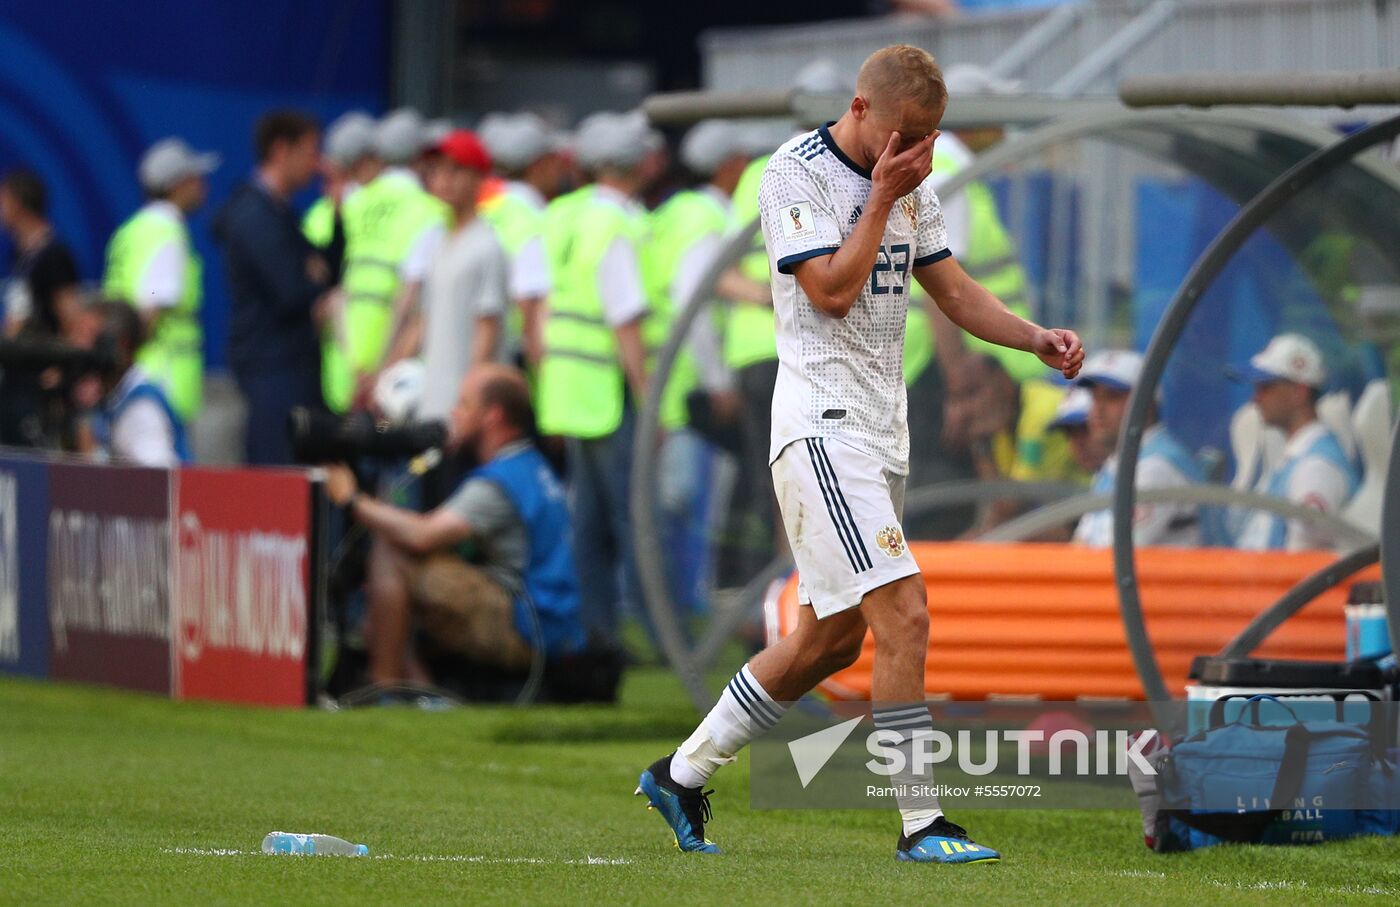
(825, 133)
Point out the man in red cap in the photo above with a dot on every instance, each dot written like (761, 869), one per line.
(465, 294)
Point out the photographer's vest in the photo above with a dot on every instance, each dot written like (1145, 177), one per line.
(750, 332)
(551, 581)
(581, 386)
(516, 222)
(676, 226)
(174, 355)
(125, 396)
(382, 222)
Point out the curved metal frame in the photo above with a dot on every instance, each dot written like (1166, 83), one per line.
(1390, 542)
(1249, 219)
(656, 593)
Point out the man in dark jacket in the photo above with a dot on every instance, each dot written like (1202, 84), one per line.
(278, 282)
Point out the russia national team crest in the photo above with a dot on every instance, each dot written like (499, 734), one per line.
(890, 540)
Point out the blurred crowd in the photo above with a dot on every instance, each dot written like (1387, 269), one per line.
(516, 283)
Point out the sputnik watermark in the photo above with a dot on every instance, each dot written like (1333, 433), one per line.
(1044, 755)
(1109, 752)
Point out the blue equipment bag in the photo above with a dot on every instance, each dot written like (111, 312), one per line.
(1302, 782)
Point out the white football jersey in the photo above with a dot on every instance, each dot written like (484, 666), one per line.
(842, 378)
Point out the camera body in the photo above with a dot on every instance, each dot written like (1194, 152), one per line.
(319, 437)
(39, 354)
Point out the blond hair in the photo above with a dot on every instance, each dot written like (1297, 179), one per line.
(902, 72)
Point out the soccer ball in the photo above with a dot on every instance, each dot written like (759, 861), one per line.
(399, 391)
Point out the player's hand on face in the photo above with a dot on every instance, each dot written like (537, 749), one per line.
(1060, 349)
(897, 173)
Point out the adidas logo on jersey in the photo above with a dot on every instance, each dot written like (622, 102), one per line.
(855, 216)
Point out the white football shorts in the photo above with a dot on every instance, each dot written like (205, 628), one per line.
(842, 510)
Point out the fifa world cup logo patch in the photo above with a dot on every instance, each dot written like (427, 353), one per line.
(911, 211)
(796, 220)
(890, 540)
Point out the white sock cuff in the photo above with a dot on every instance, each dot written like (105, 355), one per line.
(761, 708)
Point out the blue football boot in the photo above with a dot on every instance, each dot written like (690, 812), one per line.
(685, 809)
(942, 842)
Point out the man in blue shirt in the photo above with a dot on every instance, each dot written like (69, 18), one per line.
(490, 574)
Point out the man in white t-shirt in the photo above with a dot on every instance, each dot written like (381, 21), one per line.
(1288, 377)
(391, 223)
(849, 217)
(464, 297)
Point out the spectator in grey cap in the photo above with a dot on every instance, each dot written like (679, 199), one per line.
(151, 264)
(522, 148)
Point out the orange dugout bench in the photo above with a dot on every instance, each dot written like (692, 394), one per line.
(1042, 619)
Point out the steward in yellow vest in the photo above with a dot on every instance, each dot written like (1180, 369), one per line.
(595, 240)
(522, 149)
(393, 227)
(151, 264)
(687, 233)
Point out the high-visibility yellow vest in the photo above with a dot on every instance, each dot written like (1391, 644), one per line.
(750, 334)
(174, 355)
(382, 222)
(676, 226)
(318, 223)
(318, 226)
(991, 261)
(581, 387)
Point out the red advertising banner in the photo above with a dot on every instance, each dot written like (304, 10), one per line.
(108, 578)
(241, 585)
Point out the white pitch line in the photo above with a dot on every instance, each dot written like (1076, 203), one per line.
(209, 851)
(417, 858)
(1139, 874)
(530, 861)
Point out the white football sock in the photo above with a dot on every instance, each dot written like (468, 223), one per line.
(910, 722)
(744, 711)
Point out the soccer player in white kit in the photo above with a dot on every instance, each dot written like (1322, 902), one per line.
(849, 217)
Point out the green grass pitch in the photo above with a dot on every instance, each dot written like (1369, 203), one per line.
(114, 798)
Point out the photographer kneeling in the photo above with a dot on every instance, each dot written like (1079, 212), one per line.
(510, 511)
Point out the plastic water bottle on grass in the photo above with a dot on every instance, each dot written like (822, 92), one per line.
(311, 845)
